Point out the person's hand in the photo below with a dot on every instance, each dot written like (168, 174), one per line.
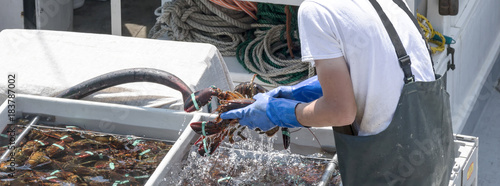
(266, 113)
(305, 91)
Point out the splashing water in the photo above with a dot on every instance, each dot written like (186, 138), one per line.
(248, 162)
(182, 125)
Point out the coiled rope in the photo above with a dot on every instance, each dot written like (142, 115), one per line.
(204, 22)
(269, 47)
(430, 33)
(272, 50)
(248, 7)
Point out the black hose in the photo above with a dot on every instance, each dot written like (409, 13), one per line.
(126, 76)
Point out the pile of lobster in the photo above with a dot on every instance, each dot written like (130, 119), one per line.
(214, 132)
(73, 156)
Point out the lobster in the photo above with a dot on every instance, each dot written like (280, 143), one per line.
(27, 149)
(38, 158)
(214, 132)
(57, 149)
(50, 136)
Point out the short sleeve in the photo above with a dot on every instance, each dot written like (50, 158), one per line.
(318, 33)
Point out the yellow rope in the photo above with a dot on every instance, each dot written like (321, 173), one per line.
(429, 33)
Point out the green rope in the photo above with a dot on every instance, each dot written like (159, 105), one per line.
(272, 61)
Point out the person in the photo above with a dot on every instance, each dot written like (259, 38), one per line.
(362, 81)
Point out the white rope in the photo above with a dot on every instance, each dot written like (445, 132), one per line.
(204, 22)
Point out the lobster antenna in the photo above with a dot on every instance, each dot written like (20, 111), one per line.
(314, 136)
(253, 78)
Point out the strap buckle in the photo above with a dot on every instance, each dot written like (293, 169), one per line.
(404, 61)
(409, 79)
(405, 64)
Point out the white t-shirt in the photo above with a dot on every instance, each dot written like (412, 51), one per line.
(353, 29)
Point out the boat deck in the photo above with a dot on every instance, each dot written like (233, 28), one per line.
(484, 123)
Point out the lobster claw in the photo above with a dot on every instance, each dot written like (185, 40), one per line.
(286, 137)
(207, 128)
(198, 99)
(208, 144)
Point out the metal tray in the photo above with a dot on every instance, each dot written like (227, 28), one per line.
(107, 118)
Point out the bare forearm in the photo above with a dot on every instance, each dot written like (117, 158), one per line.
(337, 106)
(320, 114)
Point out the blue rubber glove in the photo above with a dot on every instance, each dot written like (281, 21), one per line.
(306, 91)
(266, 113)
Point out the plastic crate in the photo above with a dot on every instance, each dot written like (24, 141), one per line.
(464, 171)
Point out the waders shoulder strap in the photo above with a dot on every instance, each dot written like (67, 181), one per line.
(403, 6)
(403, 58)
